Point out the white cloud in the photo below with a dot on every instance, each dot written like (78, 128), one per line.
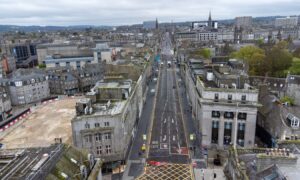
(116, 12)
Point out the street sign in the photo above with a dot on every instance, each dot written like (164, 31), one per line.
(144, 137)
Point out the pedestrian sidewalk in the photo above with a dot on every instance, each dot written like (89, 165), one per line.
(208, 174)
(126, 174)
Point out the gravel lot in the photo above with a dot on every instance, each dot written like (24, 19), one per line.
(47, 122)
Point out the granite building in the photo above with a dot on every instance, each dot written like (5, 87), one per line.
(223, 104)
(106, 119)
(243, 22)
(27, 86)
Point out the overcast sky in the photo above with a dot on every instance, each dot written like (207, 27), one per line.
(119, 12)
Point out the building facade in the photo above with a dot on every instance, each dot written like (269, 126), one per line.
(28, 86)
(64, 50)
(8, 65)
(24, 53)
(244, 22)
(62, 81)
(101, 53)
(224, 105)
(5, 103)
(106, 119)
(286, 22)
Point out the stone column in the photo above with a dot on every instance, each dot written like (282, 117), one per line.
(221, 131)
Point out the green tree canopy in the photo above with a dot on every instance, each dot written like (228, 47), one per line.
(226, 50)
(278, 59)
(296, 53)
(253, 58)
(202, 53)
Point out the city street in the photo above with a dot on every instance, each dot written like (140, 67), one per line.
(168, 140)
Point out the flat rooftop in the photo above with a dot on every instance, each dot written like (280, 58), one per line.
(24, 163)
(47, 122)
(102, 109)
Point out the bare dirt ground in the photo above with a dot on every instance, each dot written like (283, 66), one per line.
(47, 122)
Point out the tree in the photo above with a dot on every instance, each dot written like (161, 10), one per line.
(42, 66)
(202, 53)
(253, 58)
(205, 53)
(260, 42)
(288, 99)
(226, 49)
(296, 53)
(278, 58)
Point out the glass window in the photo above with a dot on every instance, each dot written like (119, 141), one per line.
(88, 138)
(108, 149)
(229, 97)
(107, 136)
(241, 134)
(215, 132)
(243, 97)
(227, 133)
(216, 97)
(241, 126)
(215, 124)
(228, 125)
(242, 116)
(228, 115)
(97, 125)
(106, 124)
(98, 137)
(215, 114)
(99, 150)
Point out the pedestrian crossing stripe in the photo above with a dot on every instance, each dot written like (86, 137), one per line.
(164, 146)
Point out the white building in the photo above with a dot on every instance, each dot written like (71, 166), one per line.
(286, 22)
(223, 105)
(106, 119)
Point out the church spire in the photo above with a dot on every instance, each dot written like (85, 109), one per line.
(209, 17)
(210, 24)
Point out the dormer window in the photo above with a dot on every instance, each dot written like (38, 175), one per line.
(243, 99)
(229, 98)
(216, 97)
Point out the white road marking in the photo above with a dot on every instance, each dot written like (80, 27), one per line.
(163, 146)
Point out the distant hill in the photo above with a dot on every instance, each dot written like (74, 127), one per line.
(13, 28)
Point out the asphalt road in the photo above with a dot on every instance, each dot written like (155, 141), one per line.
(168, 140)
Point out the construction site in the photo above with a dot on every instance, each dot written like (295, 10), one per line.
(49, 121)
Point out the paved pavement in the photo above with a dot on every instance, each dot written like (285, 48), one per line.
(209, 174)
(167, 122)
(190, 124)
(136, 159)
(167, 172)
